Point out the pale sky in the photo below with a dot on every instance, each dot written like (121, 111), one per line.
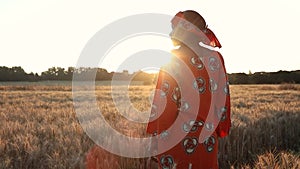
(256, 35)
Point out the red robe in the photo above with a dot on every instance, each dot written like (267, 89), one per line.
(191, 109)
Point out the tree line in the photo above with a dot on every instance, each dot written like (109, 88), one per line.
(17, 73)
(265, 77)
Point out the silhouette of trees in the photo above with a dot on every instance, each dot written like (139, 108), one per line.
(17, 73)
(265, 77)
(102, 74)
(57, 73)
(238, 78)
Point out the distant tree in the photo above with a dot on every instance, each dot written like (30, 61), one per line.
(61, 74)
(69, 73)
(102, 74)
(238, 78)
(32, 77)
(15, 73)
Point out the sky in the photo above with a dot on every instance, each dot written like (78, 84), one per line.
(256, 35)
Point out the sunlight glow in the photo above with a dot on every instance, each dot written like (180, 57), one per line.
(124, 50)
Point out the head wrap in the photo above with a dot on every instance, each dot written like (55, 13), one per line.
(181, 21)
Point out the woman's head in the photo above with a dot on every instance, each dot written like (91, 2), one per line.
(189, 16)
(195, 18)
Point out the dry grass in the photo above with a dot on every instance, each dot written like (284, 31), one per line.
(275, 160)
(289, 86)
(39, 128)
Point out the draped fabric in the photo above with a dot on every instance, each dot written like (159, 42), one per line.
(192, 90)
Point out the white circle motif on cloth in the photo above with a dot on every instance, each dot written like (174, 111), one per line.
(186, 127)
(184, 106)
(226, 88)
(167, 162)
(164, 134)
(199, 84)
(192, 126)
(190, 144)
(213, 86)
(164, 89)
(197, 61)
(213, 64)
(221, 113)
(209, 126)
(176, 94)
(209, 143)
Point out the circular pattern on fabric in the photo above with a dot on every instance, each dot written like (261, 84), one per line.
(226, 88)
(197, 62)
(199, 84)
(213, 64)
(209, 126)
(190, 144)
(167, 162)
(209, 143)
(164, 134)
(164, 89)
(222, 113)
(192, 126)
(184, 106)
(176, 94)
(213, 86)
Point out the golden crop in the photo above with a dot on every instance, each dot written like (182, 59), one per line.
(39, 127)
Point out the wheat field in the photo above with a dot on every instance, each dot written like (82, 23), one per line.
(39, 128)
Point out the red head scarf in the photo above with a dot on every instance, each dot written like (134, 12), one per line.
(181, 20)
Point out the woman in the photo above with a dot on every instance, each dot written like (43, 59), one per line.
(191, 105)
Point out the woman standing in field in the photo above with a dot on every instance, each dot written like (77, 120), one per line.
(191, 105)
